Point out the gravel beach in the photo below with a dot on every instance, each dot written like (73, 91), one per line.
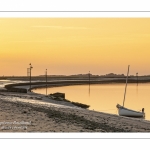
(21, 113)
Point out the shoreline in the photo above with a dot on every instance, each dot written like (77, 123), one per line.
(62, 118)
(47, 115)
(25, 86)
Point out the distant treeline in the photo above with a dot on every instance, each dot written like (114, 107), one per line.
(49, 77)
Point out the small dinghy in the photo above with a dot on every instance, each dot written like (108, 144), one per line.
(122, 111)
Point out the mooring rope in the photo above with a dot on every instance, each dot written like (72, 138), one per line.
(107, 110)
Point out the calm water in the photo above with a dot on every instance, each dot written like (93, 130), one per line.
(104, 97)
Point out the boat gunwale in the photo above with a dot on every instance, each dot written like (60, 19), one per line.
(121, 107)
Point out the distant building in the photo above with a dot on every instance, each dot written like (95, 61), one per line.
(131, 75)
(115, 75)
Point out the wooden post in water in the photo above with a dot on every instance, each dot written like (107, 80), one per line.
(30, 75)
(89, 83)
(89, 78)
(137, 77)
(126, 85)
(46, 81)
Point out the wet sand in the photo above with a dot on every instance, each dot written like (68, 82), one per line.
(18, 116)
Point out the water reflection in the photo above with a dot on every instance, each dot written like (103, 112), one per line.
(104, 97)
(137, 89)
(89, 90)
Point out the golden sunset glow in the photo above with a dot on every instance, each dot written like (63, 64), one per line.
(74, 45)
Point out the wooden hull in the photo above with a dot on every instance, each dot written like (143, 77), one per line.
(122, 111)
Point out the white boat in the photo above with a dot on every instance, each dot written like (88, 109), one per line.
(122, 111)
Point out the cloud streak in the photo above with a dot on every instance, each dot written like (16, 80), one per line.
(61, 27)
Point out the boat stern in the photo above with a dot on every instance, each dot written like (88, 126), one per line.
(118, 106)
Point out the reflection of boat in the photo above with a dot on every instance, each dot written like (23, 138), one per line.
(122, 111)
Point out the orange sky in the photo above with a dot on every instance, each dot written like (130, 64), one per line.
(74, 45)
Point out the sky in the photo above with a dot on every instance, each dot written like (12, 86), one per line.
(66, 46)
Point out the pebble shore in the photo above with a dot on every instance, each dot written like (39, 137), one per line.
(17, 116)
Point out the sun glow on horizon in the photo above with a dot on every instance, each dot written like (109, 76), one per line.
(74, 45)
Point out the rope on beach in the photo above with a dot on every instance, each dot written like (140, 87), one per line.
(107, 110)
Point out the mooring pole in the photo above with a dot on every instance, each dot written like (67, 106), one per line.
(89, 78)
(137, 77)
(89, 83)
(30, 75)
(46, 81)
(126, 85)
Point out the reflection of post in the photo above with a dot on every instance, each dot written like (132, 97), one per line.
(89, 90)
(46, 81)
(137, 77)
(137, 90)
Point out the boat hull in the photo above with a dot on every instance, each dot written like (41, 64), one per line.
(122, 111)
